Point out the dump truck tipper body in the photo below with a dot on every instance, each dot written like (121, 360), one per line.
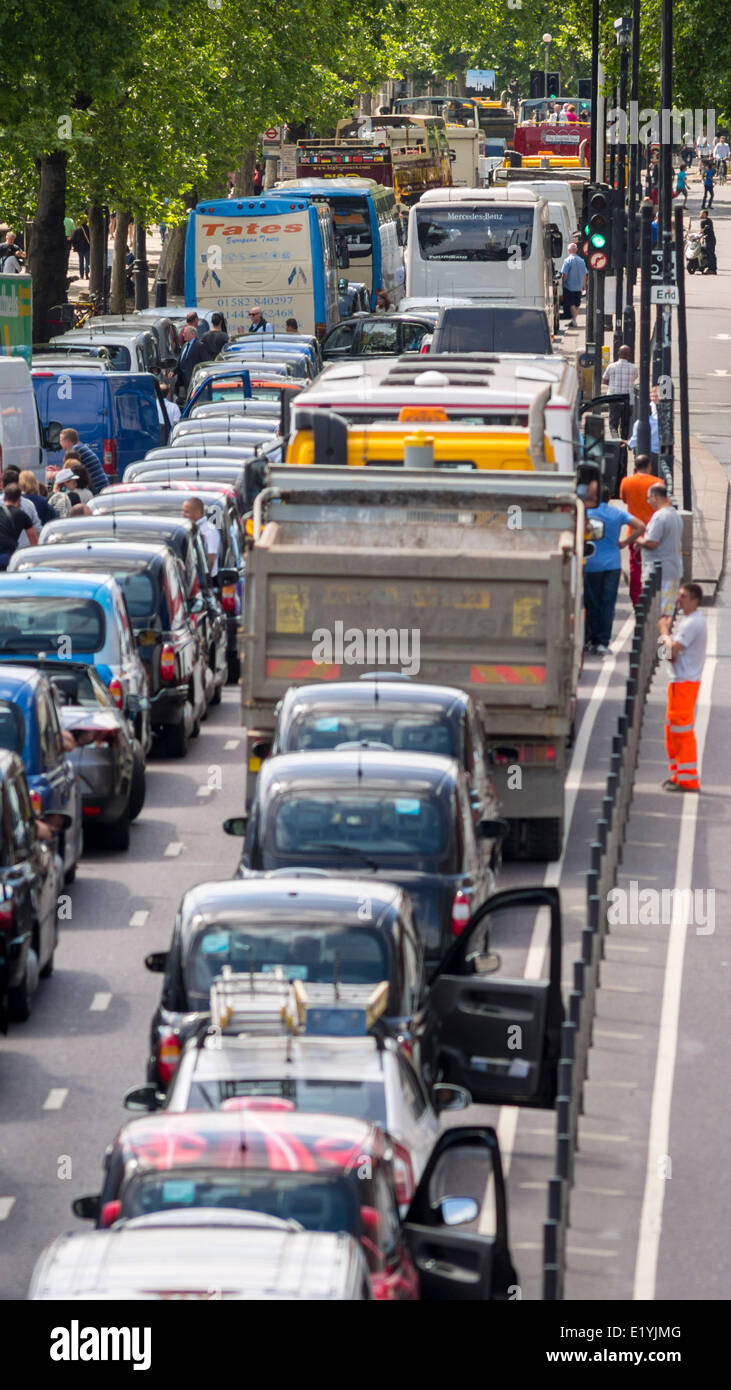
(465, 579)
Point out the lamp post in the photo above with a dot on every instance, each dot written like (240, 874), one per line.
(547, 40)
(623, 33)
(629, 326)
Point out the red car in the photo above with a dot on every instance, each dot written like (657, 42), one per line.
(327, 1174)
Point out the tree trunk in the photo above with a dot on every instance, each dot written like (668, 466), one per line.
(47, 252)
(118, 295)
(97, 250)
(142, 294)
(244, 183)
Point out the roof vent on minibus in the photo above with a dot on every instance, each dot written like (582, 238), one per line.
(434, 379)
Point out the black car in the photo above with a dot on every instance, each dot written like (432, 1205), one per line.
(402, 714)
(107, 758)
(376, 335)
(31, 874)
(491, 328)
(302, 924)
(164, 630)
(460, 1022)
(403, 817)
(182, 538)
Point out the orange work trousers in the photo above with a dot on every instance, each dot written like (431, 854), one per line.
(679, 736)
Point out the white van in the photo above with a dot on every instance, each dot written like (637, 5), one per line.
(20, 430)
(483, 243)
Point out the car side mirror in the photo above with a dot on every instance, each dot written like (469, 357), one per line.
(87, 1208)
(448, 1097)
(51, 435)
(110, 1212)
(157, 961)
(145, 1098)
(227, 576)
(492, 829)
(235, 825)
(262, 748)
(556, 241)
(484, 962)
(457, 1211)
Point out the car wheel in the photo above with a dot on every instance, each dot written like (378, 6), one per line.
(22, 996)
(70, 874)
(138, 785)
(47, 969)
(234, 668)
(216, 696)
(176, 740)
(117, 835)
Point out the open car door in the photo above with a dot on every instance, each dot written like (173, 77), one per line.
(498, 1037)
(462, 1185)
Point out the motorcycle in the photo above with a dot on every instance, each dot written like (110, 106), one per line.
(696, 255)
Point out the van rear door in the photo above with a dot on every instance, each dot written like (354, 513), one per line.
(136, 416)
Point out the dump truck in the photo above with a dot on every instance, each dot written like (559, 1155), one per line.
(477, 575)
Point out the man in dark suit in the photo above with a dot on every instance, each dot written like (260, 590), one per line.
(193, 351)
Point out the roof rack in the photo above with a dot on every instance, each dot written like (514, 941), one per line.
(336, 1010)
(254, 1002)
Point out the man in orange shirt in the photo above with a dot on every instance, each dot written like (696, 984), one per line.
(633, 492)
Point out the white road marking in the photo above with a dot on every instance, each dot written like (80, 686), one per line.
(609, 1033)
(172, 850)
(204, 791)
(604, 1254)
(230, 744)
(622, 989)
(509, 1116)
(604, 1191)
(622, 946)
(6, 1206)
(139, 918)
(648, 1244)
(55, 1098)
(606, 1138)
(629, 1085)
(99, 1003)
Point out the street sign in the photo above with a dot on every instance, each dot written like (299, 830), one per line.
(656, 262)
(16, 316)
(272, 136)
(479, 82)
(598, 260)
(663, 294)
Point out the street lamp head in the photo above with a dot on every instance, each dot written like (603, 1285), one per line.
(547, 38)
(623, 31)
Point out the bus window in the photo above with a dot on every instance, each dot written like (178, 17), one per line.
(351, 219)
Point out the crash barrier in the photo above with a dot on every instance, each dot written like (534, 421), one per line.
(605, 857)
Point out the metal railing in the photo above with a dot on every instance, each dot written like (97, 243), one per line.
(605, 857)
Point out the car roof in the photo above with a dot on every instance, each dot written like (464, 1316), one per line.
(409, 694)
(17, 679)
(284, 897)
(167, 1140)
(56, 583)
(230, 1057)
(356, 768)
(95, 527)
(120, 552)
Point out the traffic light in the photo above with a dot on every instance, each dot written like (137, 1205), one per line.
(537, 81)
(597, 224)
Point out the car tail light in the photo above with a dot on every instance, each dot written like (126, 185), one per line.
(404, 1174)
(167, 662)
(228, 598)
(92, 810)
(109, 456)
(461, 912)
(110, 1213)
(36, 801)
(168, 1052)
(7, 915)
(116, 691)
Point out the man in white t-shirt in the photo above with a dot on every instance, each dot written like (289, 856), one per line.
(662, 543)
(193, 510)
(685, 649)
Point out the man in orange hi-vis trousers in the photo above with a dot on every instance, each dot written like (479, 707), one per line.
(685, 649)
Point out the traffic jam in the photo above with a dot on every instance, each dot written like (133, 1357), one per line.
(359, 535)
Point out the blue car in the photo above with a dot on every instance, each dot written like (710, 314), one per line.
(77, 617)
(30, 727)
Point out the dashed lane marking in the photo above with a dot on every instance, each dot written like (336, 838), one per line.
(55, 1098)
(6, 1206)
(172, 850)
(100, 1002)
(230, 744)
(139, 918)
(203, 791)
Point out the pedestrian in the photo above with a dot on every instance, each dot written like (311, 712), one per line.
(82, 486)
(258, 323)
(258, 179)
(64, 495)
(633, 492)
(69, 226)
(80, 243)
(193, 351)
(687, 153)
(573, 275)
(708, 242)
(292, 326)
(193, 510)
(620, 377)
(14, 521)
(721, 153)
(663, 543)
(29, 486)
(11, 256)
(654, 433)
(172, 409)
(192, 321)
(681, 186)
(703, 150)
(708, 186)
(571, 114)
(216, 337)
(602, 571)
(70, 442)
(11, 476)
(685, 652)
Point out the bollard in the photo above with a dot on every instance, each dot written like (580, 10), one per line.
(161, 293)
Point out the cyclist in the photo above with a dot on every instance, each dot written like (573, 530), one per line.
(721, 152)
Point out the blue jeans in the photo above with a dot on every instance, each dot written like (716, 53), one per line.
(83, 264)
(600, 597)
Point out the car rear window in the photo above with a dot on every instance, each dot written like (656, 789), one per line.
(363, 1100)
(493, 330)
(318, 1203)
(386, 824)
(12, 727)
(410, 733)
(303, 951)
(48, 622)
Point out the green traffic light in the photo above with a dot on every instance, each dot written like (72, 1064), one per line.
(598, 240)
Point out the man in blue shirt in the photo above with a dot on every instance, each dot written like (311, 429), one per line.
(573, 274)
(70, 442)
(602, 571)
